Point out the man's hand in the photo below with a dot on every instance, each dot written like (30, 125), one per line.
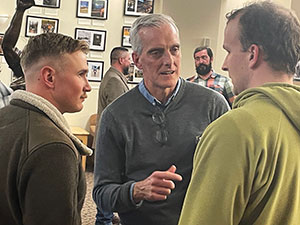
(157, 186)
(24, 4)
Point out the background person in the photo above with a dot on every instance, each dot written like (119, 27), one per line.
(246, 166)
(147, 137)
(42, 180)
(203, 57)
(113, 85)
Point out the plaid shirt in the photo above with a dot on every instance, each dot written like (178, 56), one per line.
(5, 93)
(218, 83)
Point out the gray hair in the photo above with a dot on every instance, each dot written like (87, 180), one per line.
(152, 20)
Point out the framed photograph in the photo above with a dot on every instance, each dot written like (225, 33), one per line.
(95, 70)
(126, 36)
(138, 7)
(48, 3)
(95, 38)
(92, 9)
(1, 39)
(135, 74)
(38, 25)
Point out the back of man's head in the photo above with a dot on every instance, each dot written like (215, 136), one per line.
(116, 53)
(49, 45)
(275, 29)
(152, 20)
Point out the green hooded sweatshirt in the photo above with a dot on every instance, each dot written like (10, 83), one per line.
(247, 164)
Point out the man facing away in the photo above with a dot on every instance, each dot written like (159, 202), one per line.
(247, 163)
(203, 57)
(114, 82)
(112, 86)
(147, 137)
(42, 181)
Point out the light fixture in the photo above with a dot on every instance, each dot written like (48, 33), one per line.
(3, 19)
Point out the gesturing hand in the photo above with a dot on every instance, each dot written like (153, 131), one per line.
(157, 186)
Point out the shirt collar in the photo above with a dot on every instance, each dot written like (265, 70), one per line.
(213, 75)
(152, 99)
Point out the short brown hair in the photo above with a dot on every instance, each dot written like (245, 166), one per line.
(50, 45)
(275, 29)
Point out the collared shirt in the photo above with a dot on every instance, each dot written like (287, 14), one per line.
(152, 99)
(5, 94)
(218, 83)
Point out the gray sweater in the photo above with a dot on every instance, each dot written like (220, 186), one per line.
(129, 149)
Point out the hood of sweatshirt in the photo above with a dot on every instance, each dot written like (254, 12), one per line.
(285, 96)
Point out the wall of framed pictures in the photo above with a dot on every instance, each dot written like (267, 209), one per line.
(105, 24)
(114, 15)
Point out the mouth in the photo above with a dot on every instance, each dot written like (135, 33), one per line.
(83, 97)
(167, 72)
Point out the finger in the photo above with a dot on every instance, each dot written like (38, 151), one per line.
(172, 169)
(156, 197)
(161, 190)
(162, 183)
(166, 175)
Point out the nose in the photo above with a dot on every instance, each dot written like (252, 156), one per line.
(168, 58)
(87, 86)
(224, 66)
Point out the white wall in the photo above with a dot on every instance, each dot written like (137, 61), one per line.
(196, 20)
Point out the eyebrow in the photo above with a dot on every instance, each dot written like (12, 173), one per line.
(83, 71)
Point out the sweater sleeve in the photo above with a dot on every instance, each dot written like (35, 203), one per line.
(111, 189)
(219, 106)
(222, 176)
(48, 186)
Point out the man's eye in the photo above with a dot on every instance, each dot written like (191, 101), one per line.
(175, 50)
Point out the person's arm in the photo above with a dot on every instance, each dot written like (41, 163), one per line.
(49, 186)
(228, 89)
(114, 89)
(11, 37)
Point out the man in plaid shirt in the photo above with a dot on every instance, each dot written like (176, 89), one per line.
(206, 77)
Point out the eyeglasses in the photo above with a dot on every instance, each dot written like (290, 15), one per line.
(161, 135)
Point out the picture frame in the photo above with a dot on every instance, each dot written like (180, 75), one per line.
(92, 9)
(95, 38)
(48, 3)
(37, 25)
(135, 75)
(95, 70)
(297, 72)
(1, 40)
(138, 7)
(126, 37)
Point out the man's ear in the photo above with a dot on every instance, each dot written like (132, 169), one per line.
(47, 76)
(136, 60)
(254, 55)
(211, 59)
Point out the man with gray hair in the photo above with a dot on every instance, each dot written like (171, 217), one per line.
(247, 163)
(42, 180)
(146, 138)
